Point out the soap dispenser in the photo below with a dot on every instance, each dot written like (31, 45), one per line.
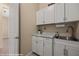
(56, 35)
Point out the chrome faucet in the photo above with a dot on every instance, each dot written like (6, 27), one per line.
(72, 35)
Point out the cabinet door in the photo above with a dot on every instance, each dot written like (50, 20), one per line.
(72, 12)
(73, 50)
(34, 44)
(49, 15)
(48, 47)
(40, 46)
(39, 17)
(58, 49)
(59, 12)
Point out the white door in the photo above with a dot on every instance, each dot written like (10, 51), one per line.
(72, 12)
(73, 50)
(34, 44)
(40, 46)
(59, 12)
(3, 30)
(13, 29)
(58, 49)
(48, 47)
(49, 14)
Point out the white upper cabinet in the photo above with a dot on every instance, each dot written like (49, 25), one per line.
(49, 15)
(45, 16)
(67, 12)
(72, 12)
(59, 12)
(40, 17)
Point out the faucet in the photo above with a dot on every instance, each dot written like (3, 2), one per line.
(72, 35)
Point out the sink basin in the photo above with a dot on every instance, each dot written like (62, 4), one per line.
(73, 39)
(69, 38)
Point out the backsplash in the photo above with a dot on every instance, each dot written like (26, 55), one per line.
(77, 31)
(53, 28)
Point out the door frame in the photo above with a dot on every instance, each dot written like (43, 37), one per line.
(19, 14)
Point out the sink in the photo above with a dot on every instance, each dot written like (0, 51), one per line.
(73, 39)
(69, 38)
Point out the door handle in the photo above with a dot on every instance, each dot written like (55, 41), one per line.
(9, 38)
(16, 38)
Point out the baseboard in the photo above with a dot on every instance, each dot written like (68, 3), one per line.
(29, 54)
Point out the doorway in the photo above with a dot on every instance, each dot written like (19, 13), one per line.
(9, 29)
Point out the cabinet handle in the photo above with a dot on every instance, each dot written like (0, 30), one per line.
(64, 52)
